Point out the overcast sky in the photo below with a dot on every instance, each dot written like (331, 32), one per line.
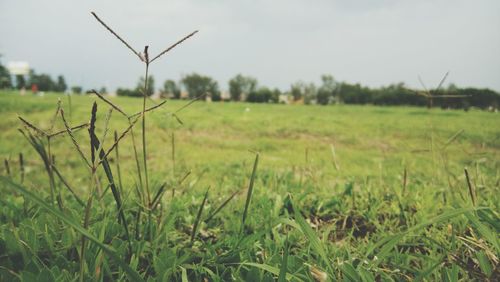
(278, 42)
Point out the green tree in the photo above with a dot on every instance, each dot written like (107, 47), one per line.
(140, 86)
(354, 93)
(240, 86)
(61, 85)
(197, 85)
(43, 81)
(297, 90)
(309, 93)
(170, 89)
(20, 81)
(275, 96)
(76, 89)
(128, 92)
(300, 90)
(139, 89)
(326, 92)
(5, 79)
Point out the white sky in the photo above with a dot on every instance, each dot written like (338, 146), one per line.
(278, 42)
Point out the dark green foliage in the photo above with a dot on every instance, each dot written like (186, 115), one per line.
(263, 95)
(399, 94)
(354, 94)
(150, 86)
(296, 90)
(128, 92)
(43, 81)
(5, 79)
(170, 90)
(61, 85)
(137, 91)
(326, 92)
(76, 89)
(305, 91)
(241, 86)
(20, 82)
(197, 85)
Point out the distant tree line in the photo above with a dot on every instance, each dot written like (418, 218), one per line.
(43, 82)
(330, 91)
(247, 88)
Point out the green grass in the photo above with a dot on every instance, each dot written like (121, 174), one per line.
(351, 221)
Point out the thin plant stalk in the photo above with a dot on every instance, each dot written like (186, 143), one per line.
(405, 180)
(198, 216)
(86, 220)
(472, 191)
(136, 157)
(221, 207)
(21, 166)
(173, 155)
(51, 175)
(249, 193)
(144, 150)
(7, 167)
(118, 162)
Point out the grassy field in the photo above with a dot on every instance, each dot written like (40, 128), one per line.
(339, 193)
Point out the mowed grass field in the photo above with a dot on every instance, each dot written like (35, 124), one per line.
(342, 192)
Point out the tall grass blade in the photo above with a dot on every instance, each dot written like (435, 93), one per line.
(21, 166)
(158, 195)
(405, 181)
(334, 158)
(216, 211)
(472, 191)
(144, 144)
(284, 263)
(173, 154)
(7, 167)
(452, 138)
(37, 144)
(117, 155)
(249, 193)
(114, 189)
(311, 237)
(198, 216)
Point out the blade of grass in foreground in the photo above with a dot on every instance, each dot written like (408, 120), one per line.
(134, 276)
(284, 263)
(314, 241)
(250, 189)
(116, 193)
(198, 217)
(221, 207)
